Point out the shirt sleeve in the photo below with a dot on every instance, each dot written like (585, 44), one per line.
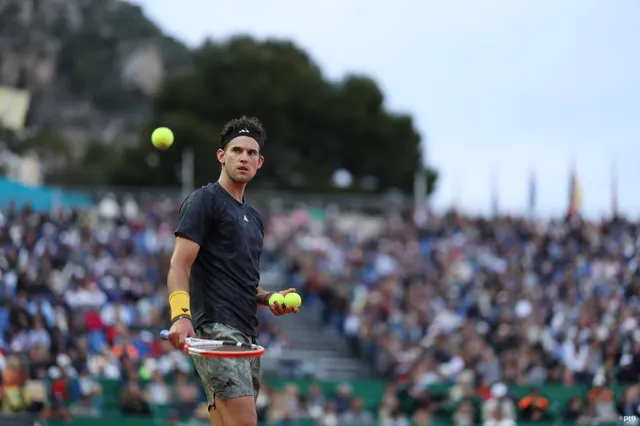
(196, 217)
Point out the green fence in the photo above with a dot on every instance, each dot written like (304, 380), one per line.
(370, 390)
(119, 421)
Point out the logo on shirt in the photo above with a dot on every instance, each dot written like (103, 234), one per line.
(245, 218)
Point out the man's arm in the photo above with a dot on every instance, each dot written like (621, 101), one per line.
(184, 254)
(262, 297)
(193, 226)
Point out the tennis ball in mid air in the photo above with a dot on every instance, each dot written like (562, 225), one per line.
(276, 297)
(292, 300)
(162, 138)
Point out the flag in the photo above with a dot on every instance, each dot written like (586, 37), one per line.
(575, 196)
(455, 202)
(532, 192)
(614, 191)
(495, 198)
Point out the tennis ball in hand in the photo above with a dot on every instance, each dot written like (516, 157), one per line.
(276, 297)
(292, 300)
(162, 138)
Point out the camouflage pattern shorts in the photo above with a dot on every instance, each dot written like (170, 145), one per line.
(227, 378)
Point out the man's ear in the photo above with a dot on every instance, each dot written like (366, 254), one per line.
(220, 155)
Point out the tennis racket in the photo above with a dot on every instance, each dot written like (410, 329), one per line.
(218, 348)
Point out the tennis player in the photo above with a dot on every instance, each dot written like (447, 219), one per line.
(214, 276)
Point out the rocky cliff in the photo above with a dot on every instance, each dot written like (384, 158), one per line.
(89, 65)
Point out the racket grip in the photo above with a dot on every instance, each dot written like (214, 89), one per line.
(164, 334)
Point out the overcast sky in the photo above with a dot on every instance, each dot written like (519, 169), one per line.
(502, 87)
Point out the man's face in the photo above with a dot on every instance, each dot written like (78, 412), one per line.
(241, 159)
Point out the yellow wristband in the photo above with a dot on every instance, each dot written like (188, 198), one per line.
(180, 304)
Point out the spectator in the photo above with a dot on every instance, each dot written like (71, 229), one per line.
(343, 398)
(397, 418)
(388, 406)
(499, 410)
(35, 396)
(157, 392)
(534, 407)
(186, 398)
(629, 405)
(629, 370)
(90, 393)
(12, 381)
(263, 402)
(600, 401)
(356, 415)
(132, 402)
(277, 412)
(465, 414)
(330, 416)
(291, 400)
(421, 418)
(315, 401)
(574, 412)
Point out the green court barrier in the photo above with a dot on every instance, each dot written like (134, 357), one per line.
(370, 391)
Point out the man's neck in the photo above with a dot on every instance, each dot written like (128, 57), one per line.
(236, 190)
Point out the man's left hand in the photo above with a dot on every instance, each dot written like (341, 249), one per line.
(279, 309)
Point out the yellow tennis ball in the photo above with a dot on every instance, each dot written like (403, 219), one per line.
(292, 300)
(162, 138)
(276, 297)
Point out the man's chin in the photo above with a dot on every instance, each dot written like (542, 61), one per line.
(241, 178)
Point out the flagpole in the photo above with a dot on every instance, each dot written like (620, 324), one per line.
(187, 171)
(614, 190)
(532, 194)
(575, 194)
(494, 193)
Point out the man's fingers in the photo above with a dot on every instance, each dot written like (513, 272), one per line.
(279, 309)
(174, 339)
(287, 291)
(274, 308)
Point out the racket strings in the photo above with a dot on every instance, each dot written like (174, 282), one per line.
(222, 348)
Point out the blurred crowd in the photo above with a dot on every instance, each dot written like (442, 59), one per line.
(491, 303)
(480, 305)
(83, 296)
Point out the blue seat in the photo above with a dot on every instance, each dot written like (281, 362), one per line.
(4, 319)
(97, 340)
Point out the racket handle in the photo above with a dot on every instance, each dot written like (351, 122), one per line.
(164, 334)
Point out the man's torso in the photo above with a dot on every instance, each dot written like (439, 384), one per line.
(226, 272)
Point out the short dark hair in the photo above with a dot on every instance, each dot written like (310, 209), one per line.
(252, 124)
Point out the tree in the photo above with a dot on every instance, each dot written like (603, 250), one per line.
(314, 126)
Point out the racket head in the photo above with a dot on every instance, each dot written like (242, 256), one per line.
(206, 348)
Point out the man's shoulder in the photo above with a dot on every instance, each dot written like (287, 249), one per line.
(210, 193)
(208, 189)
(201, 192)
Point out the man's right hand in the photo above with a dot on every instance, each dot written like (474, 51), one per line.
(179, 331)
